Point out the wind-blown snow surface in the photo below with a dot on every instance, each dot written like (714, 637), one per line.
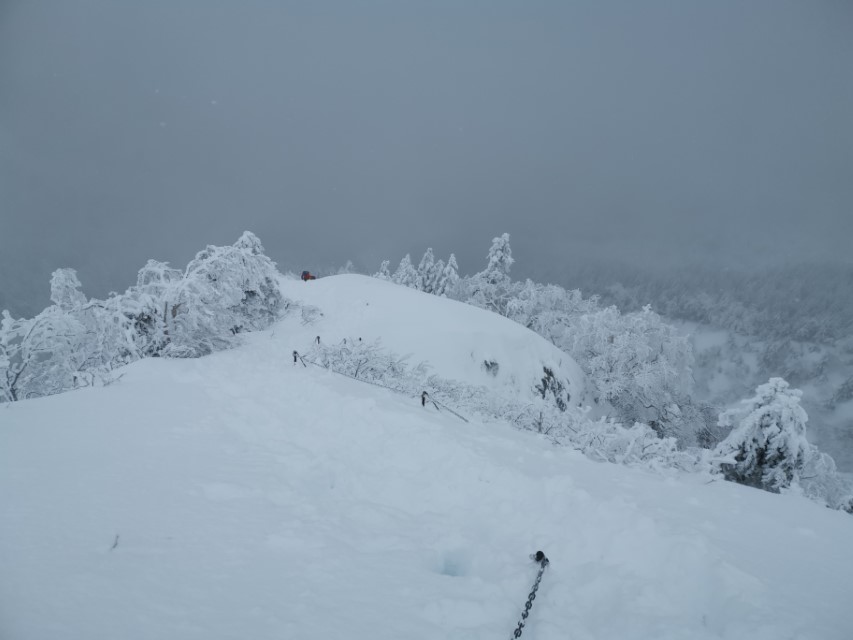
(240, 496)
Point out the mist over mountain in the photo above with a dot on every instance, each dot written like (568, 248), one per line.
(661, 134)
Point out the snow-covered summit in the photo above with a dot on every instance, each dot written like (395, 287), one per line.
(457, 341)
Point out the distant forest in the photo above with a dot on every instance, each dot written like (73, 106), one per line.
(804, 302)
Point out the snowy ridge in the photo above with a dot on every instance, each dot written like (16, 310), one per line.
(455, 339)
(240, 496)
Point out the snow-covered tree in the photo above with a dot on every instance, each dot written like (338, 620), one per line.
(41, 355)
(427, 272)
(406, 274)
(384, 273)
(499, 260)
(639, 364)
(71, 344)
(492, 288)
(224, 291)
(448, 279)
(349, 267)
(767, 448)
(147, 304)
(65, 290)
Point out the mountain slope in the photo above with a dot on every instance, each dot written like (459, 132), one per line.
(240, 496)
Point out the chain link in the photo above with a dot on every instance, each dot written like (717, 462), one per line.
(543, 562)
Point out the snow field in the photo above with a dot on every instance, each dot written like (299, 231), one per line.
(240, 496)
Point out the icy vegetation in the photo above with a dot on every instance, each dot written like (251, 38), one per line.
(257, 492)
(616, 386)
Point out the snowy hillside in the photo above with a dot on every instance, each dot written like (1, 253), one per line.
(455, 339)
(241, 496)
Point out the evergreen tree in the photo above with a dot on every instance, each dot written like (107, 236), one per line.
(449, 278)
(767, 448)
(383, 273)
(499, 260)
(426, 272)
(65, 290)
(406, 274)
(437, 282)
(492, 288)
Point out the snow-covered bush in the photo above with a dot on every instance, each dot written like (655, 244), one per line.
(547, 413)
(820, 481)
(356, 358)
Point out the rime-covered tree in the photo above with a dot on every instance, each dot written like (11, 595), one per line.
(427, 272)
(639, 364)
(147, 305)
(65, 290)
(499, 260)
(448, 278)
(384, 273)
(406, 274)
(767, 447)
(224, 291)
(492, 288)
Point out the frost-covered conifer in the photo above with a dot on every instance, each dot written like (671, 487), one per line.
(449, 278)
(492, 289)
(406, 274)
(767, 448)
(437, 286)
(384, 272)
(426, 272)
(65, 290)
(499, 260)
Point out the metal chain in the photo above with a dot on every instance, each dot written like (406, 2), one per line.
(543, 562)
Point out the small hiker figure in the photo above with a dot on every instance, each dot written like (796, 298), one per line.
(423, 399)
(318, 339)
(295, 355)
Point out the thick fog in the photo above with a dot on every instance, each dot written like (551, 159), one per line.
(656, 133)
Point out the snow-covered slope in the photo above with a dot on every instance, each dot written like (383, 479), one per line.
(455, 339)
(239, 496)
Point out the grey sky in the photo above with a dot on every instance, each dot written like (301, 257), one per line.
(655, 132)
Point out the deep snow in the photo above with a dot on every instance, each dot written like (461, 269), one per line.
(240, 496)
